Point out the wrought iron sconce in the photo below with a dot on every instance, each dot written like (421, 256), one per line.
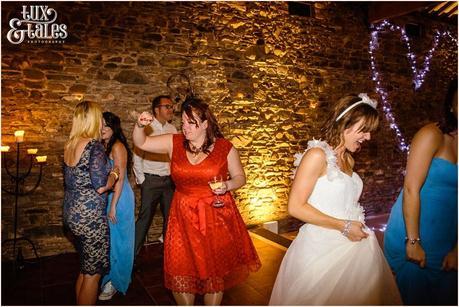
(179, 86)
(18, 180)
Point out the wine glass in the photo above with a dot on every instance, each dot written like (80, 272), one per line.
(216, 183)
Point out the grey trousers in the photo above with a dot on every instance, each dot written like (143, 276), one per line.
(154, 190)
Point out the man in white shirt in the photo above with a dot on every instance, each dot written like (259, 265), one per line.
(152, 172)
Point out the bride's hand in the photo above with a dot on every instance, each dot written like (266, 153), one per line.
(356, 232)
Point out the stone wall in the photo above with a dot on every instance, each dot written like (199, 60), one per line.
(270, 77)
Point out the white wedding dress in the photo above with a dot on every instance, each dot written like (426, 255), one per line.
(323, 267)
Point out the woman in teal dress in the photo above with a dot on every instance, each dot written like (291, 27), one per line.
(420, 241)
(120, 211)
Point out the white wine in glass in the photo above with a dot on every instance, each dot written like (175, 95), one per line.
(215, 184)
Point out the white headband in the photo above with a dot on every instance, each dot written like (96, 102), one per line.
(365, 99)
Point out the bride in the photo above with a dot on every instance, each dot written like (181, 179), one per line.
(335, 259)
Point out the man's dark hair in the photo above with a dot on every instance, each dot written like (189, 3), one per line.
(157, 101)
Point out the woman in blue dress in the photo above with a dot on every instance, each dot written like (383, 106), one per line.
(420, 242)
(86, 170)
(120, 211)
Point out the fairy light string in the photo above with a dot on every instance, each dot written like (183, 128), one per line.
(419, 74)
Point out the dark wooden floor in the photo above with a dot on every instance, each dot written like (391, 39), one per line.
(51, 281)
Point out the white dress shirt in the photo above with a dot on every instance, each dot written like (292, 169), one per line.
(151, 163)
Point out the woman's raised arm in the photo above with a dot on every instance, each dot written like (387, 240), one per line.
(157, 143)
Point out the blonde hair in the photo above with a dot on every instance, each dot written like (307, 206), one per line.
(333, 130)
(87, 123)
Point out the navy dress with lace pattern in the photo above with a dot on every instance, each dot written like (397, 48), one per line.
(84, 209)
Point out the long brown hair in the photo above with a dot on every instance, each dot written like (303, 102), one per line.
(195, 106)
(332, 130)
(114, 122)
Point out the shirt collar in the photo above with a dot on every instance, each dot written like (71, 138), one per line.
(157, 123)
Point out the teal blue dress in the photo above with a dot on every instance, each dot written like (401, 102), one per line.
(438, 232)
(121, 239)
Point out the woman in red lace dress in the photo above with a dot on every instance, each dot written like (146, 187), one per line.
(207, 247)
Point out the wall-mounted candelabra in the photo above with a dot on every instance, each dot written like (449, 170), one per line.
(18, 177)
(179, 85)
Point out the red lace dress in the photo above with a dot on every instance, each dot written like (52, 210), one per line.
(206, 249)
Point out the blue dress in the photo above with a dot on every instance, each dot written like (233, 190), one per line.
(121, 239)
(438, 233)
(84, 209)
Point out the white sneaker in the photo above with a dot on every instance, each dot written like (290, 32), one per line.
(107, 292)
(161, 238)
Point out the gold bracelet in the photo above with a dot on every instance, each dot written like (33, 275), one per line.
(116, 175)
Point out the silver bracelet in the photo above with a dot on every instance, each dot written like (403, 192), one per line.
(140, 126)
(347, 227)
(412, 241)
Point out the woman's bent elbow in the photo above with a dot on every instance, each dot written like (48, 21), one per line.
(410, 191)
(292, 210)
(101, 190)
(137, 143)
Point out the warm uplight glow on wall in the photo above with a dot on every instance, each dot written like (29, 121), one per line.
(262, 204)
(263, 196)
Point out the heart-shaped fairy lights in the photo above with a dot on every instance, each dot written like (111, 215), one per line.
(418, 74)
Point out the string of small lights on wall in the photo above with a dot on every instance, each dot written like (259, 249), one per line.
(418, 74)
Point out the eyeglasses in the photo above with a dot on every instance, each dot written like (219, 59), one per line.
(167, 106)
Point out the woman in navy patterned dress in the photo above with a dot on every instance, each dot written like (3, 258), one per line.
(87, 177)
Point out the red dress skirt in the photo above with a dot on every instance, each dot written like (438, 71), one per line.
(206, 249)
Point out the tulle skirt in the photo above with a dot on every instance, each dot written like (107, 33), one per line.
(322, 267)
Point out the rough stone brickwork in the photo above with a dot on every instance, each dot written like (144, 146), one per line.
(270, 77)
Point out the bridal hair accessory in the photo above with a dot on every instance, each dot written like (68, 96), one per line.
(365, 99)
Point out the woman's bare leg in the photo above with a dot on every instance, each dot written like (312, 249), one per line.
(88, 290)
(183, 298)
(213, 299)
(78, 285)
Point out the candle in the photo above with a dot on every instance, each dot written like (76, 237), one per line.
(41, 159)
(19, 136)
(5, 148)
(32, 151)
